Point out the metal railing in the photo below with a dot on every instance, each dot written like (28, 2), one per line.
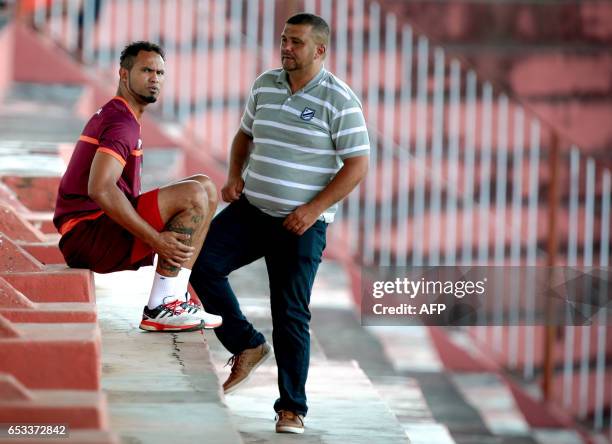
(460, 173)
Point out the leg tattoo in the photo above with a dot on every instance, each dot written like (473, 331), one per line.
(178, 225)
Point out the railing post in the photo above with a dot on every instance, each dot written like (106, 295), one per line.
(552, 251)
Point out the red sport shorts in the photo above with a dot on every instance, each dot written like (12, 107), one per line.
(104, 246)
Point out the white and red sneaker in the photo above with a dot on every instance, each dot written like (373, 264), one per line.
(193, 308)
(170, 316)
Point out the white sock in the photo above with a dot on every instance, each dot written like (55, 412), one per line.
(163, 287)
(182, 282)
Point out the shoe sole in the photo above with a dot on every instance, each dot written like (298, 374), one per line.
(211, 326)
(255, 367)
(289, 429)
(155, 327)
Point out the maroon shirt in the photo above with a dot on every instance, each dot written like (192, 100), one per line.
(114, 130)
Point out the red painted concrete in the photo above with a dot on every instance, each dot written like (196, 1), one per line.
(7, 329)
(77, 409)
(42, 221)
(16, 226)
(8, 197)
(54, 284)
(98, 89)
(575, 404)
(16, 307)
(586, 123)
(522, 21)
(35, 50)
(52, 356)
(536, 338)
(564, 74)
(454, 358)
(36, 193)
(12, 390)
(537, 413)
(12, 298)
(50, 313)
(46, 252)
(14, 258)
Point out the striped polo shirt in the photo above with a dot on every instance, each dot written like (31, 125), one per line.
(299, 139)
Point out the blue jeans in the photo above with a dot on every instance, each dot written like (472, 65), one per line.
(239, 235)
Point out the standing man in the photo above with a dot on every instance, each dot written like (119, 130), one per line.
(107, 225)
(310, 149)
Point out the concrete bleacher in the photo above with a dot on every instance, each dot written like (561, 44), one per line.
(553, 55)
(115, 383)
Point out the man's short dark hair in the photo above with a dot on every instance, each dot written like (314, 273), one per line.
(130, 52)
(320, 28)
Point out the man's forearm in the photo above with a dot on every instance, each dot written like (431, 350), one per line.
(116, 205)
(349, 176)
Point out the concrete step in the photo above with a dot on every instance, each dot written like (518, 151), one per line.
(516, 21)
(57, 99)
(47, 252)
(442, 242)
(343, 405)
(17, 227)
(76, 409)
(51, 356)
(405, 398)
(56, 283)
(37, 128)
(35, 188)
(162, 166)
(16, 307)
(387, 363)
(160, 387)
(536, 72)
(410, 372)
(28, 275)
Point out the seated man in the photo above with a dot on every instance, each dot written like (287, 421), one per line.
(107, 225)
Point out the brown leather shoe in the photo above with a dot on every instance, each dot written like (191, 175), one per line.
(243, 364)
(289, 422)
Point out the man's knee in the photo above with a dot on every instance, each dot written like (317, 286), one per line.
(209, 188)
(191, 194)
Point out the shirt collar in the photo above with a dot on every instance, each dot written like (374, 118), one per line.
(283, 79)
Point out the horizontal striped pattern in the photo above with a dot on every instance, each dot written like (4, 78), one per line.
(299, 139)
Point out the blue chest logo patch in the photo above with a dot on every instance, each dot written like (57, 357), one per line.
(307, 114)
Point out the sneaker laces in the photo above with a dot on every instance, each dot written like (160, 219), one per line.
(234, 361)
(174, 307)
(190, 302)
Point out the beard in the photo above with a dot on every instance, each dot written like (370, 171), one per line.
(147, 99)
(290, 64)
